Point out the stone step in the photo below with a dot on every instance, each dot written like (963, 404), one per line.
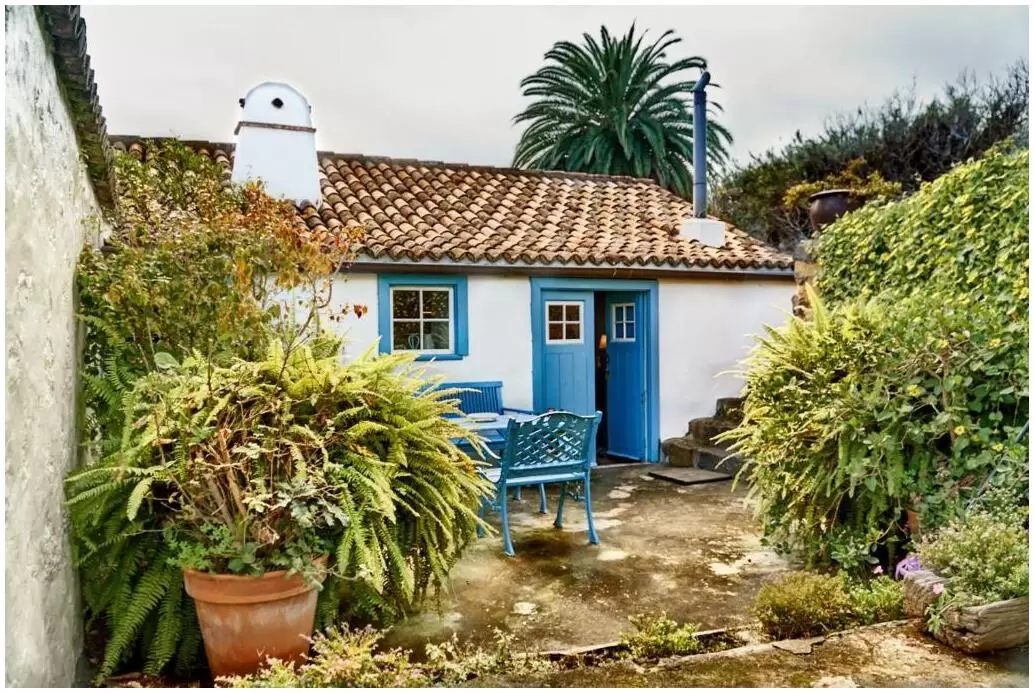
(705, 429)
(691, 452)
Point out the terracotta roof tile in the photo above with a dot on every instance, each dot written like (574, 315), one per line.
(415, 210)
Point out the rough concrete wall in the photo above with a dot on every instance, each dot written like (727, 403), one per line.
(49, 207)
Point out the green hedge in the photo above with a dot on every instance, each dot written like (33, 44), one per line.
(962, 236)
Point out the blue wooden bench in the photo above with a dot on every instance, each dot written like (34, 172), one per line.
(556, 447)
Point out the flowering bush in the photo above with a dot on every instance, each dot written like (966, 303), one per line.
(984, 559)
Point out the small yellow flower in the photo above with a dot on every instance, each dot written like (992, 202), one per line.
(997, 447)
(995, 343)
(914, 390)
(959, 430)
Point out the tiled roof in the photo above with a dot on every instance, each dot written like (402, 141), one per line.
(67, 33)
(417, 211)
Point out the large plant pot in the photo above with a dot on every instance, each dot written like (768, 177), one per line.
(246, 619)
(829, 205)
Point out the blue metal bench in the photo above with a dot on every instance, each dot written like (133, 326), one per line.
(556, 447)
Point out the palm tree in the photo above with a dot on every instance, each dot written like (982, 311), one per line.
(616, 107)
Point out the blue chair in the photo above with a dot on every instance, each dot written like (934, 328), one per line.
(556, 447)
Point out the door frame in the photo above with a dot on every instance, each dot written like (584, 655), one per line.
(650, 331)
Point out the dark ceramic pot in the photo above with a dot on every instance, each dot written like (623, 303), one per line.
(829, 205)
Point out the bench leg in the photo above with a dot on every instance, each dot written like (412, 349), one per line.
(593, 537)
(542, 498)
(481, 516)
(559, 521)
(517, 493)
(507, 543)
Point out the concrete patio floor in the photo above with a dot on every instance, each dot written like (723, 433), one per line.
(691, 551)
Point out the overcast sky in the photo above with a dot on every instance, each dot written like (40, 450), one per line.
(443, 83)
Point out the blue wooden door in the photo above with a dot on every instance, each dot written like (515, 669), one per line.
(626, 376)
(568, 378)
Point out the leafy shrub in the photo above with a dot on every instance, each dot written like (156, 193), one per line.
(876, 601)
(905, 140)
(657, 637)
(985, 557)
(908, 395)
(850, 417)
(802, 605)
(263, 465)
(343, 658)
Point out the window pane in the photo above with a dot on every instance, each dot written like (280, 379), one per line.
(556, 330)
(406, 335)
(573, 312)
(619, 313)
(405, 303)
(630, 313)
(436, 304)
(573, 331)
(630, 330)
(436, 335)
(619, 330)
(556, 312)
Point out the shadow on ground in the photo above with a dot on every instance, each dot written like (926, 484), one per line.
(692, 551)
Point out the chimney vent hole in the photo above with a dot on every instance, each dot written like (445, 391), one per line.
(241, 102)
(277, 103)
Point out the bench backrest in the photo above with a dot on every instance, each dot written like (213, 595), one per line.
(557, 443)
(483, 397)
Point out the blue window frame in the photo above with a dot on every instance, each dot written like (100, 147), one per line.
(423, 313)
(623, 319)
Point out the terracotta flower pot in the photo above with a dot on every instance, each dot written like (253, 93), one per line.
(912, 522)
(246, 619)
(829, 205)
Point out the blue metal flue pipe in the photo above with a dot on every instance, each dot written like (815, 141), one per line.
(700, 146)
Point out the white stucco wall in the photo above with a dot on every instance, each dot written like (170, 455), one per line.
(499, 320)
(49, 204)
(706, 328)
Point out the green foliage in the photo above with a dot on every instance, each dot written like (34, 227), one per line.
(658, 637)
(962, 237)
(615, 106)
(193, 263)
(876, 601)
(908, 390)
(802, 605)
(345, 658)
(863, 188)
(983, 557)
(265, 465)
(905, 140)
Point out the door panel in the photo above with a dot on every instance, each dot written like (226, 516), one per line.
(568, 368)
(626, 376)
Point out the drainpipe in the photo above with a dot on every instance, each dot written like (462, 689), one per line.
(700, 146)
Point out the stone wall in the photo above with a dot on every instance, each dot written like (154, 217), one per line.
(51, 210)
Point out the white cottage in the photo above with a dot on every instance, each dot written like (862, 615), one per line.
(575, 291)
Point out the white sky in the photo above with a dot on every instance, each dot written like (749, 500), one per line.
(443, 83)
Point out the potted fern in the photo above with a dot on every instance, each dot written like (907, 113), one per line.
(269, 476)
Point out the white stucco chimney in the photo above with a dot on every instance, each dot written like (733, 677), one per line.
(276, 143)
(710, 232)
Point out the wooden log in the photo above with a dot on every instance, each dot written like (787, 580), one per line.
(970, 629)
(918, 593)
